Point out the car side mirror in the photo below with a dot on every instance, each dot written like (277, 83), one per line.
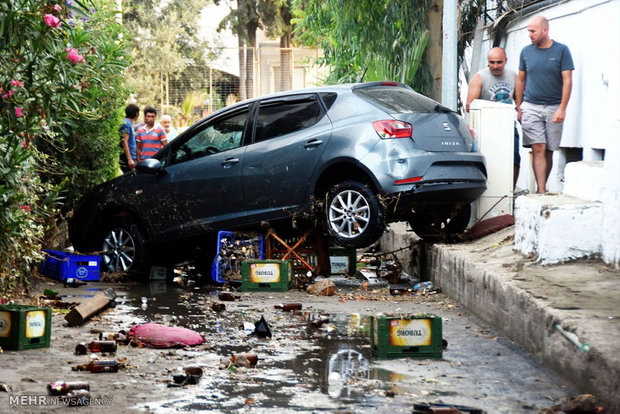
(150, 166)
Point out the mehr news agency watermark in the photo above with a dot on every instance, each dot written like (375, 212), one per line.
(48, 400)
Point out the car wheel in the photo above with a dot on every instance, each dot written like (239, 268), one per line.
(353, 216)
(438, 225)
(122, 248)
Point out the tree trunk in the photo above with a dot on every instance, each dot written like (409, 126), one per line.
(249, 60)
(243, 95)
(286, 62)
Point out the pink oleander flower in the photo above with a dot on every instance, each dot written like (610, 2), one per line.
(73, 56)
(25, 208)
(16, 83)
(24, 144)
(58, 8)
(19, 112)
(52, 21)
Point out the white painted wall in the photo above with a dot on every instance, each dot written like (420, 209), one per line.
(591, 30)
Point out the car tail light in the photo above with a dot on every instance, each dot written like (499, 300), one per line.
(408, 180)
(392, 129)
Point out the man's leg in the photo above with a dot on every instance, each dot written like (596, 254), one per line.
(549, 157)
(533, 126)
(539, 163)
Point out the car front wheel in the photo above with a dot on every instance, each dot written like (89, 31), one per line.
(122, 247)
(353, 216)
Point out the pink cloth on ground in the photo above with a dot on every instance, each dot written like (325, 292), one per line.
(155, 335)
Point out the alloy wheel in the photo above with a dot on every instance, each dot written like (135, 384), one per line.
(118, 250)
(349, 214)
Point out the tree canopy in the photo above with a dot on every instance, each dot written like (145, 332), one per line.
(384, 39)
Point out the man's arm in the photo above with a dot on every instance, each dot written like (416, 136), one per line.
(138, 148)
(519, 89)
(567, 85)
(475, 87)
(130, 162)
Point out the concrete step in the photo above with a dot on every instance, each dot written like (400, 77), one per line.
(557, 227)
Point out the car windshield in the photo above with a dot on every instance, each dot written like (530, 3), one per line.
(396, 100)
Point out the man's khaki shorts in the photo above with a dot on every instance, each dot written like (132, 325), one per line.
(538, 126)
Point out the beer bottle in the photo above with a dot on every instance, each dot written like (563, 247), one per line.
(227, 296)
(102, 346)
(81, 349)
(96, 366)
(239, 358)
(288, 306)
(218, 306)
(63, 388)
(72, 282)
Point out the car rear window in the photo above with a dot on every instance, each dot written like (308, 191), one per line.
(396, 100)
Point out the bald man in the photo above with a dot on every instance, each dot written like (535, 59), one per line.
(496, 83)
(543, 89)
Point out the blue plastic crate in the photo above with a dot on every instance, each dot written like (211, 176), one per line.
(232, 242)
(63, 265)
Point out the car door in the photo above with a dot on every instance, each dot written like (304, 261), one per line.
(290, 134)
(201, 187)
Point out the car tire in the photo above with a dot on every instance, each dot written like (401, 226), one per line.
(122, 248)
(353, 216)
(439, 225)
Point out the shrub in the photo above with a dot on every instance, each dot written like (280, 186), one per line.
(61, 92)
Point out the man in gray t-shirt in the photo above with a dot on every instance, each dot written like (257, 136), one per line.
(496, 83)
(543, 89)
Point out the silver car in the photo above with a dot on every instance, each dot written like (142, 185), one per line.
(347, 158)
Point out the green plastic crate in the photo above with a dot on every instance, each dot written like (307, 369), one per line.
(25, 327)
(406, 336)
(343, 261)
(266, 275)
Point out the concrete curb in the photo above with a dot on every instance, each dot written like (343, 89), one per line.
(525, 302)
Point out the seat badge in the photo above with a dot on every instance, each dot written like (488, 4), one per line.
(446, 126)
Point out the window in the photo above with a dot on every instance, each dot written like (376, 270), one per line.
(280, 118)
(219, 135)
(396, 100)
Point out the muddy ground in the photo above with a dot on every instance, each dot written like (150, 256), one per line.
(479, 368)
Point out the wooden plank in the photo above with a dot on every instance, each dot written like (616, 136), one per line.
(91, 307)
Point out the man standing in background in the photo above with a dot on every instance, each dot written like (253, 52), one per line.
(496, 83)
(128, 159)
(543, 89)
(150, 138)
(166, 123)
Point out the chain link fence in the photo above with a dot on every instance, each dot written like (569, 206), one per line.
(238, 74)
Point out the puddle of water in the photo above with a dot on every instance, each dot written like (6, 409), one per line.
(304, 368)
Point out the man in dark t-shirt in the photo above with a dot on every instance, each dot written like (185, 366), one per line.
(542, 92)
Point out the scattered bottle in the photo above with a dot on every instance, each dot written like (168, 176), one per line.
(119, 337)
(239, 359)
(102, 346)
(289, 306)
(63, 388)
(97, 366)
(81, 349)
(423, 286)
(218, 306)
(72, 282)
(195, 371)
(397, 290)
(227, 296)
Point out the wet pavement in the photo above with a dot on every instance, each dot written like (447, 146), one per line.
(302, 367)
